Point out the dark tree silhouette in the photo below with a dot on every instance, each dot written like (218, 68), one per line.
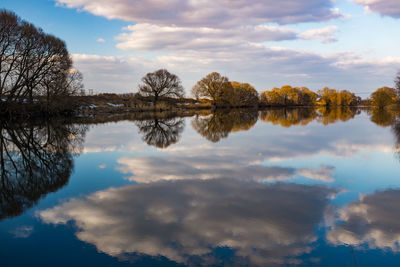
(161, 132)
(32, 62)
(219, 124)
(161, 83)
(34, 161)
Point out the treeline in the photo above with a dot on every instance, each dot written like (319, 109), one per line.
(35, 67)
(302, 96)
(222, 92)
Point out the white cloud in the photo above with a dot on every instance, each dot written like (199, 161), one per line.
(109, 73)
(326, 34)
(100, 40)
(384, 7)
(211, 13)
(149, 37)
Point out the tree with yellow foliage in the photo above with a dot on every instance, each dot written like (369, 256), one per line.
(212, 86)
(383, 97)
(289, 96)
(244, 95)
(225, 93)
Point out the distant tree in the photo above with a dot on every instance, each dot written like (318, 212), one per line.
(30, 61)
(307, 97)
(212, 86)
(347, 98)
(397, 85)
(244, 95)
(161, 83)
(328, 97)
(334, 98)
(289, 96)
(383, 97)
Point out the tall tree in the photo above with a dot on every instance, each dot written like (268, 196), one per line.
(161, 83)
(30, 60)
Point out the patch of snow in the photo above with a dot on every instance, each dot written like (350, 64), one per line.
(115, 105)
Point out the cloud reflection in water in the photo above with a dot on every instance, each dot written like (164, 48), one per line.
(186, 220)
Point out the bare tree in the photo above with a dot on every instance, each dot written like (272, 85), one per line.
(31, 61)
(161, 83)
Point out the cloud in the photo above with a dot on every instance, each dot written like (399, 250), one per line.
(109, 73)
(187, 220)
(373, 220)
(384, 7)
(193, 38)
(149, 37)
(326, 34)
(100, 40)
(208, 13)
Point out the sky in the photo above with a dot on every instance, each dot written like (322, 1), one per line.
(342, 44)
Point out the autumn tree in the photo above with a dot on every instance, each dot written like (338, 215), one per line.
(243, 94)
(307, 97)
(213, 86)
(383, 97)
(289, 96)
(161, 83)
(328, 97)
(272, 97)
(347, 98)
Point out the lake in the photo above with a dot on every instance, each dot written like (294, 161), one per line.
(226, 188)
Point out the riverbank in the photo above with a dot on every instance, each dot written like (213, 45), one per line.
(106, 104)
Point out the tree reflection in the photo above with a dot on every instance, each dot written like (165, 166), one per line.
(303, 116)
(382, 117)
(34, 161)
(161, 132)
(289, 117)
(220, 123)
(333, 115)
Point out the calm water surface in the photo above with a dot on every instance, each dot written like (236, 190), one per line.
(233, 188)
